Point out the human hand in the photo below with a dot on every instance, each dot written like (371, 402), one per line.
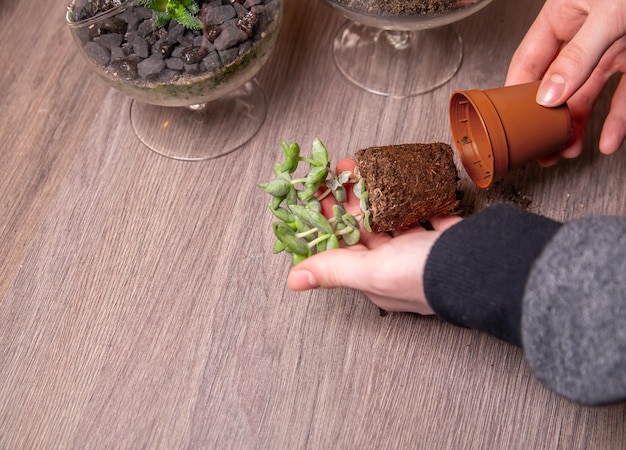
(575, 46)
(388, 270)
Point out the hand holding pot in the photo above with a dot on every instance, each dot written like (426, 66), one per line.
(575, 47)
(387, 270)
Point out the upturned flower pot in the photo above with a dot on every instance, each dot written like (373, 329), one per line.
(498, 130)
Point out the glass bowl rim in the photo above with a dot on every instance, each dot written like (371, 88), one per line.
(98, 17)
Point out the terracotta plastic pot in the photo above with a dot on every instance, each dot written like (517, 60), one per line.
(498, 130)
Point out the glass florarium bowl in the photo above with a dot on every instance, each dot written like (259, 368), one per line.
(188, 65)
(400, 48)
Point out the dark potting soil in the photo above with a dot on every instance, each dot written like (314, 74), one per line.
(400, 7)
(409, 183)
(131, 48)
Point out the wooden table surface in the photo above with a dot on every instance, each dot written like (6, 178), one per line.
(140, 304)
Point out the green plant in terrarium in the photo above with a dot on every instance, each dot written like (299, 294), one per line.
(302, 229)
(184, 12)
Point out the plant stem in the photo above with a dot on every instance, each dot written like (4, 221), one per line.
(317, 240)
(346, 230)
(307, 232)
(324, 194)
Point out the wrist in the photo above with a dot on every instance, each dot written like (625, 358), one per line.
(476, 271)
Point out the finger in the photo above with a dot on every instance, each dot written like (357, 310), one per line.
(550, 159)
(535, 52)
(346, 164)
(355, 268)
(352, 203)
(443, 222)
(614, 128)
(576, 142)
(581, 103)
(335, 268)
(573, 149)
(576, 61)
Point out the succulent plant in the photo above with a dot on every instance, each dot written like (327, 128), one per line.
(302, 230)
(184, 12)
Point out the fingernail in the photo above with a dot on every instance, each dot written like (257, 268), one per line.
(303, 279)
(551, 90)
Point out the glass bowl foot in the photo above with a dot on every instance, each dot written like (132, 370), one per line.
(205, 131)
(397, 63)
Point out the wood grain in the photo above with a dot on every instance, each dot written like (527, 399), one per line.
(141, 307)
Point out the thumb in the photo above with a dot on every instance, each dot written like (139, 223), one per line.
(331, 269)
(576, 61)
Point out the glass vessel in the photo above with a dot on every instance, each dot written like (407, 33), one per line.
(193, 87)
(400, 48)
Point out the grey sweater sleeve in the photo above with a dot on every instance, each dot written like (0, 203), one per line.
(574, 311)
(557, 290)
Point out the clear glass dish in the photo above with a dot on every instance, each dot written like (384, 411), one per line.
(194, 93)
(400, 48)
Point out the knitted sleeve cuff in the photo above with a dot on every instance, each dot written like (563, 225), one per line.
(477, 270)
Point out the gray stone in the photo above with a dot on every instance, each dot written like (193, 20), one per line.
(175, 63)
(110, 41)
(219, 14)
(175, 30)
(150, 66)
(146, 27)
(132, 18)
(117, 53)
(142, 12)
(168, 75)
(193, 69)
(100, 55)
(139, 44)
(126, 68)
(239, 9)
(245, 47)
(211, 61)
(229, 55)
(229, 38)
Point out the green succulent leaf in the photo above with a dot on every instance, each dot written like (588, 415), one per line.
(364, 204)
(287, 236)
(312, 218)
(319, 153)
(344, 177)
(316, 175)
(301, 227)
(296, 258)
(338, 211)
(292, 157)
(278, 247)
(349, 219)
(367, 221)
(358, 189)
(353, 237)
(278, 187)
(292, 196)
(340, 194)
(307, 195)
(276, 201)
(283, 214)
(314, 205)
(332, 242)
(332, 183)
